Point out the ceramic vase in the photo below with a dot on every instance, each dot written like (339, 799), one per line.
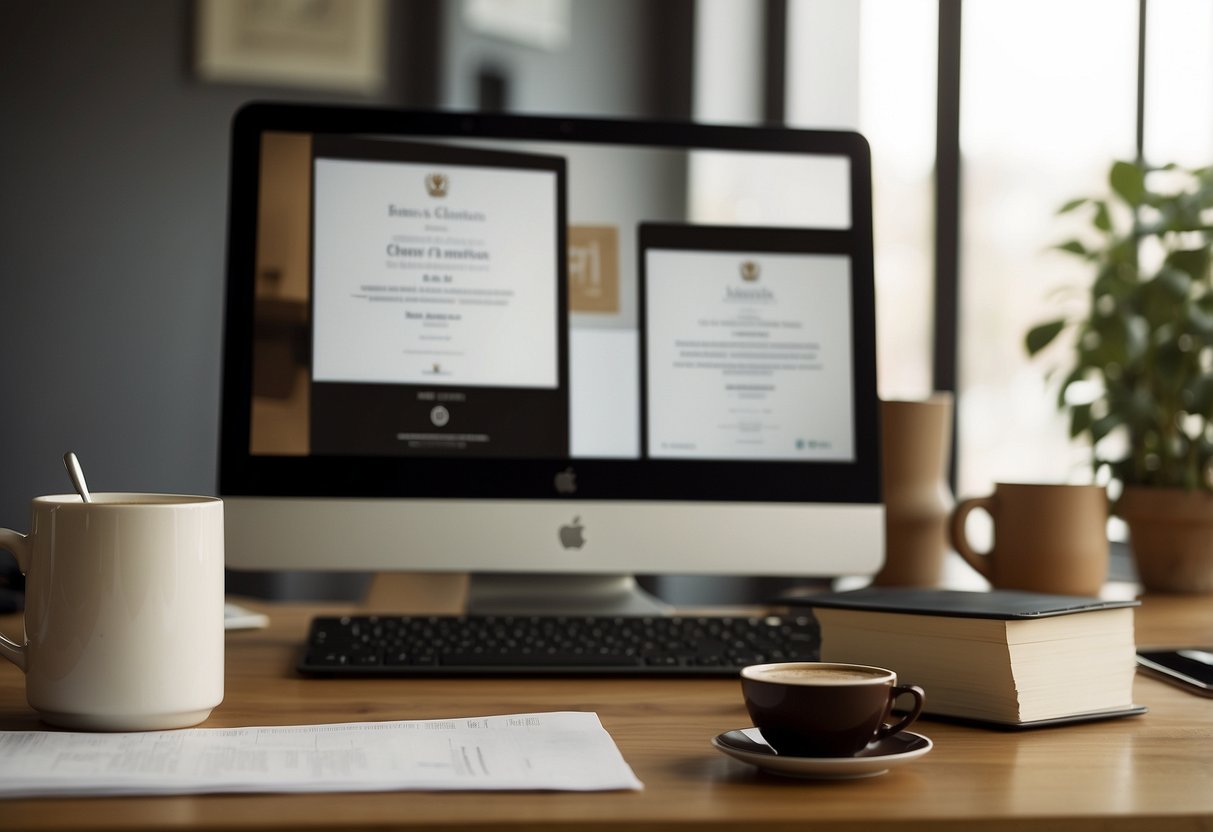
(916, 444)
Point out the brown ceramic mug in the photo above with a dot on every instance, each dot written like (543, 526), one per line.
(824, 709)
(1047, 538)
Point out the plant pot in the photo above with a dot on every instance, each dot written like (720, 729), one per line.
(1171, 535)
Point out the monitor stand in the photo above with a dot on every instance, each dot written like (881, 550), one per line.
(494, 593)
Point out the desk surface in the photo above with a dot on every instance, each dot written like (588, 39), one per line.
(1149, 772)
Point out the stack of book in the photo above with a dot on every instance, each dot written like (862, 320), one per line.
(1011, 658)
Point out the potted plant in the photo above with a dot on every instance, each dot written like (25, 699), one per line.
(1140, 382)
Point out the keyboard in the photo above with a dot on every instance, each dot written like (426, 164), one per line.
(552, 645)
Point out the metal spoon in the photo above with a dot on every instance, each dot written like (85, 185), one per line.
(74, 471)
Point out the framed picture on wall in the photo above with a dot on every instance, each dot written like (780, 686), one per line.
(337, 45)
(542, 24)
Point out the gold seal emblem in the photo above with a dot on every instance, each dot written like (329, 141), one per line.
(436, 184)
(749, 271)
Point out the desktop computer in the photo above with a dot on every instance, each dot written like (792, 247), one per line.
(550, 352)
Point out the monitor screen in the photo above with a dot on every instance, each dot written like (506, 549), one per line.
(498, 343)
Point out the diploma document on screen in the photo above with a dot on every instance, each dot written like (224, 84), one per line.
(438, 297)
(746, 345)
(565, 751)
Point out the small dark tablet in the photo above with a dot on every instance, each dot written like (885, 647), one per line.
(1190, 668)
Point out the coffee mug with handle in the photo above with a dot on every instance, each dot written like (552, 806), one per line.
(124, 610)
(826, 709)
(1047, 538)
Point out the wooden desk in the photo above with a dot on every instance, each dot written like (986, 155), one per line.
(1151, 772)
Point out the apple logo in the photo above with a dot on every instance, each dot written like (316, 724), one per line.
(571, 536)
(566, 481)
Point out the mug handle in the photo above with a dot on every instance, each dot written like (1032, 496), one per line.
(11, 541)
(960, 542)
(895, 692)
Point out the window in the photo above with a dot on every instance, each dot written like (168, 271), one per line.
(1179, 83)
(1048, 100)
(871, 66)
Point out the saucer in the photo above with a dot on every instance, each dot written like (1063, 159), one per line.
(747, 745)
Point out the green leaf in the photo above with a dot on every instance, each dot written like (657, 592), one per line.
(1124, 254)
(1175, 284)
(1168, 370)
(1204, 176)
(1129, 182)
(1111, 280)
(1072, 204)
(1133, 406)
(1201, 390)
(1102, 219)
(1074, 247)
(1080, 420)
(1137, 337)
(1157, 303)
(1193, 261)
(1109, 346)
(1042, 335)
(1200, 321)
(1183, 214)
(1104, 425)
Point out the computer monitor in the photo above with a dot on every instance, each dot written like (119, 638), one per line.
(537, 346)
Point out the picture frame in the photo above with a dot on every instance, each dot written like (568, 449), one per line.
(331, 45)
(540, 24)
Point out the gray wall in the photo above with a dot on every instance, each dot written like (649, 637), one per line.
(113, 210)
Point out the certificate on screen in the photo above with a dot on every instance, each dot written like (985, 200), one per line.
(746, 346)
(438, 296)
(434, 274)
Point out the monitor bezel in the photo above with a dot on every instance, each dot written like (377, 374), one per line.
(244, 474)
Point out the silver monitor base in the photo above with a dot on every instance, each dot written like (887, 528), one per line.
(522, 594)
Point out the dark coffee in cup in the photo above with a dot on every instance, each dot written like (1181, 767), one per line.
(825, 709)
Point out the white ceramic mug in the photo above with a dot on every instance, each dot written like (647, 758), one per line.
(123, 610)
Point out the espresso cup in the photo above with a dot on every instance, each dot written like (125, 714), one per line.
(825, 709)
(123, 612)
(1047, 538)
